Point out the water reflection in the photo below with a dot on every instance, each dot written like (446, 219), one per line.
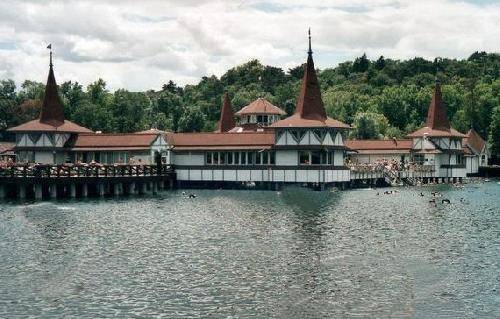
(297, 254)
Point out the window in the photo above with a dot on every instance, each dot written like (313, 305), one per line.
(229, 158)
(259, 118)
(251, 158)
(331, 156)
(264, 119)
(222, 158)
(265, 158)
(236, 158)
(304, 158)
(209, 158)
(315, 158)
(460, 159)
(258, 158)
(272, 158)
(418, 158)
(243, 158)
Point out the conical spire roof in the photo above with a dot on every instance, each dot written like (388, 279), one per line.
(437, 124)
(437, 117)
(309, 103)
(52, 112)
(310, 110)
(226, 122)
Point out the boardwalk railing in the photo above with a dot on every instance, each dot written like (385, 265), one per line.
(404, 175)
(82, 170)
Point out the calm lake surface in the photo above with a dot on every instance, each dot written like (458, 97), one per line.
(255, 254)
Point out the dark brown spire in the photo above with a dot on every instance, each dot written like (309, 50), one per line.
(437, 116)
(309, 103)
(52, 108)
(226, 122)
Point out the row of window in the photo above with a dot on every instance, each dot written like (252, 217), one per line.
(241, 158)
(316, 157)
(266, 158)
(260, 119)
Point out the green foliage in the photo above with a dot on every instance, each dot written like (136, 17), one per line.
(383, 98)
(369, 125)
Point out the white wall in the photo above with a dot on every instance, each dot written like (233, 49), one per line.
(44, 157)
(264, 175)
(188, 158)
(287, 157)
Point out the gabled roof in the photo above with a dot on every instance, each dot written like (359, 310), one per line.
(437, 124)
(37, 126)
(226, 122)
(6, 147)
(427, 131)
(124, 141)
(206, 141)
(260, 106)
(474, 141)
(309, 110)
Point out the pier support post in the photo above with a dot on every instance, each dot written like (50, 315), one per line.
(85, 190)
(171, 183)
(154, 187)
(100, 189)
(144, 188)
(117, 189)
(38, 192)
(21, 193)
(131, 188)
(2, 191)
(161, 184)
(53, 191)
(72, 190)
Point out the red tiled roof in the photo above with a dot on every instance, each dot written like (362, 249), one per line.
(36, 125)
(125, 141)
(373, 145)
(427, 131)
(296, 121)
(310, 110)
(475, 141)
(260, 106)
(217, 140)
(226, 121)
(6, 147)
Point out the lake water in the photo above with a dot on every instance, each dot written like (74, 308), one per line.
(255, 254)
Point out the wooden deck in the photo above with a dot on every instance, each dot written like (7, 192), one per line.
(40, 181)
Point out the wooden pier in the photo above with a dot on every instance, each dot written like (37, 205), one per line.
(58, 181)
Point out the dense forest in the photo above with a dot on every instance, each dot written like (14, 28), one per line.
(381, 99)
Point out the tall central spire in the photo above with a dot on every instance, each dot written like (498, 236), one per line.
(310, 52)
(437, 115)
(309, 103)
(52, 108)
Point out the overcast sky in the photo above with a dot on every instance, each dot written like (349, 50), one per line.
(140, 45)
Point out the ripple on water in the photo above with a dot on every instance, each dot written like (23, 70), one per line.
(290, 254)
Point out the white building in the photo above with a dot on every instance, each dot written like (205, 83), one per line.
(307, 147)
(438, 144)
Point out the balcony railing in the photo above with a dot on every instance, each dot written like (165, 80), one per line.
(82, 170)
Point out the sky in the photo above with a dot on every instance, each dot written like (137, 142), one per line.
(140, 45)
